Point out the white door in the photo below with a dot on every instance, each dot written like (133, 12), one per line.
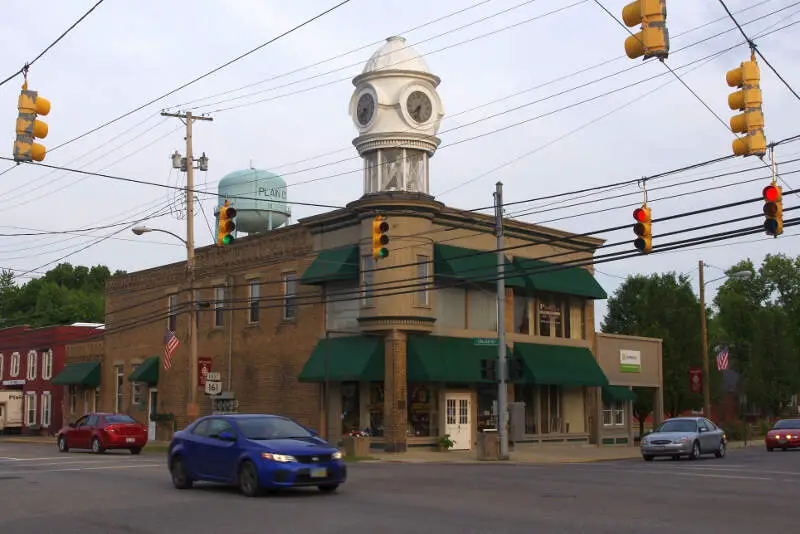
(459, 420)
(152, 403)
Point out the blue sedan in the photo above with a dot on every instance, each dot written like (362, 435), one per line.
(255, 452)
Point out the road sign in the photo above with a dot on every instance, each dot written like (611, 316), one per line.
(213, 376)
(213, 387)
(485, 341)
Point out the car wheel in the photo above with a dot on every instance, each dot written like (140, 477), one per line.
(720, 453)
(97, 448)
(248, 479)
(136, 450)
(770, 449)
(328, 488)
(180, 476)
(62, 444)
(695, 451)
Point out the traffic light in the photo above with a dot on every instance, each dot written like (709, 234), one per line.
(773, 209)
(30, 105)
(653, 40)
(225, 226)
(380, 239)
(489, 369)
(644, 240)
(751, 123)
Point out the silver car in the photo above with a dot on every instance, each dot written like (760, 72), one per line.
(684, 436)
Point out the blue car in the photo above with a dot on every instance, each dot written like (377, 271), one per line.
(254, 452)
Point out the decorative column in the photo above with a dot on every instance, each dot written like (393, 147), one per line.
(395, 393)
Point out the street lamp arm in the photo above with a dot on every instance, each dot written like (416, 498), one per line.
(139, 230)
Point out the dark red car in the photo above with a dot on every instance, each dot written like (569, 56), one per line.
(784, 435)
(102, 431)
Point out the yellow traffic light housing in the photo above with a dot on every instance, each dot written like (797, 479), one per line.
(225, 226)
(642, 229)
(653, 40)
(748, 99)
(380, 238)
(773, 209)
(30, 106)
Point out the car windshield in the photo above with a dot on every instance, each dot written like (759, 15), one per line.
(680, 425)
(120, 419)
(271, 428)
(787, 423)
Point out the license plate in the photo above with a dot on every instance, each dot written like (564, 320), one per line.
(130, 440)
(781, 441)
(319, 472)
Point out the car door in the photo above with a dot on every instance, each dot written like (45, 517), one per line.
(74, 433)
(222, 453)
(714, 435)
(707, 438)
(195, 452)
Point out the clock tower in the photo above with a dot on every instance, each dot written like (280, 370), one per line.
(397, 111)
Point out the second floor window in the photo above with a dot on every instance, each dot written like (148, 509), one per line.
(13, 370)
(172, 304)
(118, 370)
(289, 295)
(367, 277)
(255, 295)
(421, 295)
(219, 303)
(47, 365)
(32, 357)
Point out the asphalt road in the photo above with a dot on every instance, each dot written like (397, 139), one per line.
(42, 491)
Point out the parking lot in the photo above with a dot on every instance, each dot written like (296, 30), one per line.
(44, 491)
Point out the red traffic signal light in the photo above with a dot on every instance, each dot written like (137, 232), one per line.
(770, 193)
(640, 214)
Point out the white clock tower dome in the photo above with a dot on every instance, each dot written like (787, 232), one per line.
(397, 111)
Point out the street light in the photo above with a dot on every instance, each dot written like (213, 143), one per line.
(139, 230)
(736, 275)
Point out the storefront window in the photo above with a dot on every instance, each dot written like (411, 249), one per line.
(614, 414)
(521, 315)
(554, 316)
(487, 395)
(527, 393)
(376, 409)
(350, 407)
(423, 415)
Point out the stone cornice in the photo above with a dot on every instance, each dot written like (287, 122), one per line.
(365, 77)
(370, 142)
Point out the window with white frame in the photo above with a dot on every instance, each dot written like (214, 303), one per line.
(118, 389)
(289, 295)
(137, 390)
(423, 271)
(2, 361)
(32, 357)
(47, 365)
(219, 303)
(13, 370)
(73, 399)
(255, 295)
(614, 413)
(30, 408)
(87, 400)
(172, 307)
(47, 407)
(367, 278)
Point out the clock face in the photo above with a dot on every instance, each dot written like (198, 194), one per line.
(365, 109)
(419, 106)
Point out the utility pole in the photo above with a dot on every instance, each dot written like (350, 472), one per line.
(192, 409)
(502, 387)
(704, 337)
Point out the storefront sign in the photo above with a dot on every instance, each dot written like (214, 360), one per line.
(13, 382)
(630, 361)
(203, 367)
(485, 341)
(695, 379)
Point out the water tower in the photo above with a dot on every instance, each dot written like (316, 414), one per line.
(259, 198)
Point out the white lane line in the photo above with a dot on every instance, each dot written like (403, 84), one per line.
(753, 471)
(35, 471)
(34, 459)
(78, 462)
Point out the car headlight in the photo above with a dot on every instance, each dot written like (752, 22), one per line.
(337, 455)
(283, 458)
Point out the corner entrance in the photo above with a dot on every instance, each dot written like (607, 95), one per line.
(458, 420)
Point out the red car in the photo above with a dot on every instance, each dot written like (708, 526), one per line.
(102, 431)
(784, 435)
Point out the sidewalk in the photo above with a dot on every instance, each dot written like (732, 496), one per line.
(523, 453)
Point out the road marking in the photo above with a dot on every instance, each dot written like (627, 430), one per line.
(35, 459)
(33, 471)
(77, 462)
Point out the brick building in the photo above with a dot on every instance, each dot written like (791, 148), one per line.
(284, 312)
(29, 360)
(80, 378)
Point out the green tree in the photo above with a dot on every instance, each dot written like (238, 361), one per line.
(662, 306)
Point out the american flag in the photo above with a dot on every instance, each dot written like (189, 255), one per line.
(722, 359)
(171, 344)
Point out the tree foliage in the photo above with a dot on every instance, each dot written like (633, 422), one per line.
(64, 295)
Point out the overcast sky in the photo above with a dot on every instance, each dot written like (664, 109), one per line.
(125, 54)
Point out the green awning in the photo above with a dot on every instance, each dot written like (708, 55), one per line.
(146, 372)
(545, 276)
(433, 358)
(559, 365)
(468, 265)
(79, 374)
(618, 393)
(333, 264)
(349, 358)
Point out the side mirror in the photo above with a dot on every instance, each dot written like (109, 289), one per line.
(227, 436)
(313, 432)
(72, 425)
(703, 429)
